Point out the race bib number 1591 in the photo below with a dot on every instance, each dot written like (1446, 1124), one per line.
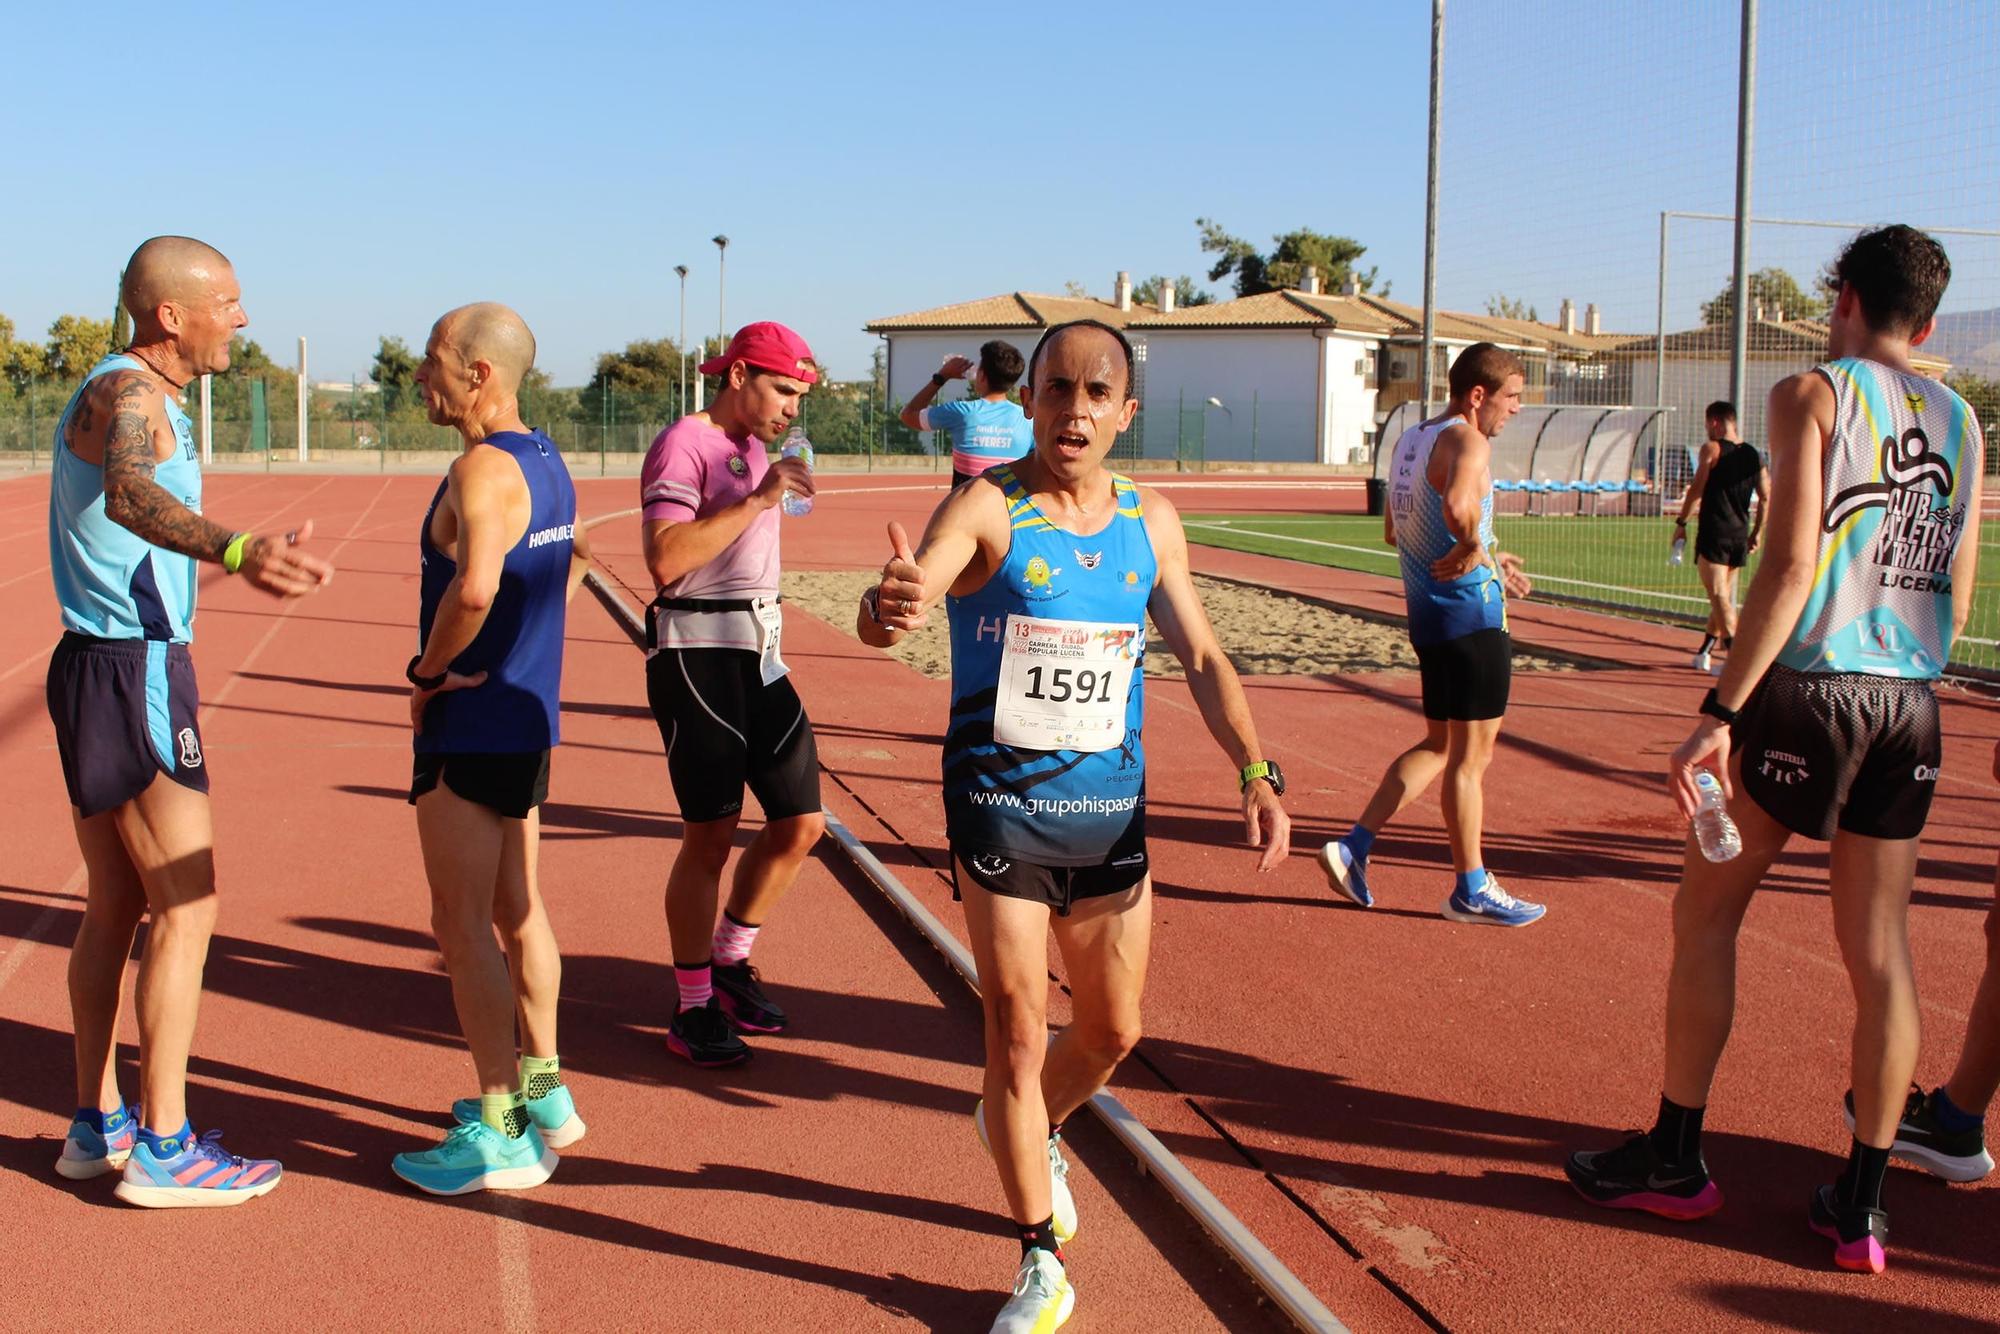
(1063, 684)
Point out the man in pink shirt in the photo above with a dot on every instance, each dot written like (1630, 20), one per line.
(718, 685)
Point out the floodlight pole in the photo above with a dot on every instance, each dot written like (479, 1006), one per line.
(722, 288)
(303, 394)
(682, 270)
(1431, 209)
(1660, 323)
(1746, 115)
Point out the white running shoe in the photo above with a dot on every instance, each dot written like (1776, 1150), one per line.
(1701, 662)
(1042, 1300)
(1062, 1205)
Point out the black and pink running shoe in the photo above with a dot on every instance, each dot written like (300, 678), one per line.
(1633, 1176)
(1860, 1236)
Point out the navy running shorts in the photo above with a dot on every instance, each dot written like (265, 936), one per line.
(1826, 751)
(1467, 679)
(1057, 887)
(510, 783)
(124, 711)
(724, 729)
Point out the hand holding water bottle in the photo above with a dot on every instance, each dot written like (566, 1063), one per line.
(1703, 756)
(797, 501)
(1715, 833)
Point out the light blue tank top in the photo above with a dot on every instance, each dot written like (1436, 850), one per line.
(110, 582)
(1053, 806)
(1439, 611)
(1895, 507)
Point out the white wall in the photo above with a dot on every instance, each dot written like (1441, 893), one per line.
(1350, 398)
(1272, 375)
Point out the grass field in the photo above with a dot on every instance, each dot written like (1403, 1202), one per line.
(1615, 562)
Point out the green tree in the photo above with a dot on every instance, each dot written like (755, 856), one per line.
(75, 345)
(395, 370)
(1334, 256)
(641, 381)
(247, 355)
(1505, 307)
(1982, 395)
(1774, 289)
(121, 319)
(1185, 292)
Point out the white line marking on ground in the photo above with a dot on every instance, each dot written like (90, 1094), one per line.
(10, 963)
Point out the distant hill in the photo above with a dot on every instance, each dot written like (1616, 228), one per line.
(1969, 340)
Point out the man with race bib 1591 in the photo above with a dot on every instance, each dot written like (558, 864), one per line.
(1828, 712)
(1050, 565)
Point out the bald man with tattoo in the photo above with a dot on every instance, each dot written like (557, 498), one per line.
(126, 532)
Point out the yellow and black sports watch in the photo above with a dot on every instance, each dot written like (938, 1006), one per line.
(1267, 770)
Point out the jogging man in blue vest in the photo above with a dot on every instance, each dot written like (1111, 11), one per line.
(1049, 566)
(126, 532)
(500, 554)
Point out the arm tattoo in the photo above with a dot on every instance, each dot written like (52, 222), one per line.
(133, 500)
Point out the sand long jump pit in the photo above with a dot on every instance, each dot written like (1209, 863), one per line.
(1265, 631)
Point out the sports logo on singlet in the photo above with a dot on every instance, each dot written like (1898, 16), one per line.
(1919, 531)
(190, 749)
(1088, 562)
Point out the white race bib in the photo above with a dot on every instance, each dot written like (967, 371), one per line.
(770, 629)
(1063, 684)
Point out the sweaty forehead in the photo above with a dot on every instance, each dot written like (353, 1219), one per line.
(1084, 354)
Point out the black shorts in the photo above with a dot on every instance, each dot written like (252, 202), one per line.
(510, 782)
(959, 479)
(1058, 887)
(1467, 679)
(1730, 547)
(1823, 751)
(724, 728)
(124, 711)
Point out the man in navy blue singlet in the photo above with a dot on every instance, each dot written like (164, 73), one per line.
(501, 554)
(126, 535)
(1050, 566)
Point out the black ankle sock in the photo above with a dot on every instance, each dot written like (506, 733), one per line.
(1728, 643)
(1042, 1234)
(1707, 643)
(1861, 1183)
(1676, 1135)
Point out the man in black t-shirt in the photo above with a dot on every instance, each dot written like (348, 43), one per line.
(1728, 473)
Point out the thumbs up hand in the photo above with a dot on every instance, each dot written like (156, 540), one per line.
(899, 597)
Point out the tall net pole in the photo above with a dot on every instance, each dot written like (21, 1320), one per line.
(1746, 133)
(1431, 209)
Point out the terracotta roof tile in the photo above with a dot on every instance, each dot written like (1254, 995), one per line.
(1012, 310)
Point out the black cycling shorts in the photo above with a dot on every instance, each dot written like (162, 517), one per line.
(1467, 679)
(513, 783)
(1722, 546)
(1826, 751)
(1058, 887)
(724, 728)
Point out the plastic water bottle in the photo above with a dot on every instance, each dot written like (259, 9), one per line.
(1713, 828)
(796, 447)
(1679, 553)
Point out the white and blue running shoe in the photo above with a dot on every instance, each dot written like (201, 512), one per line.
(1492, 906)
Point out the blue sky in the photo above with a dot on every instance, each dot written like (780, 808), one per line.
(369, 166)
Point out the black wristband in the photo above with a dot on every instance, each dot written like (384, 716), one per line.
(1713, 708)
(938, 379)
(433, 682)
(1680, 523)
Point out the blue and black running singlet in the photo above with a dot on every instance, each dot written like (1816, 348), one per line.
(1044, 760)
(1440, 610)
(520, 645)
(110, 582)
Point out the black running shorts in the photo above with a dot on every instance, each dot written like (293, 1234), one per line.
(724, 728)
(1726, 546)
(511, 783)
(1467, 679)
(124, 711)
(1823, 751)
(1057, 887)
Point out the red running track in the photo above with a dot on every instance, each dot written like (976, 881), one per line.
(833, 1183)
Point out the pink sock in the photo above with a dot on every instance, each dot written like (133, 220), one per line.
(733, 939)
(694, 986)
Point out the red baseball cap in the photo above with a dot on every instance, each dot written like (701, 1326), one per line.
(769, 346)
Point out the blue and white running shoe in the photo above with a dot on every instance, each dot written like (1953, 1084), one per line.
(554, 1114)
(1491, 905)
(88, 1153)
(1346, 874)
(478, 1157)
(186, 1172)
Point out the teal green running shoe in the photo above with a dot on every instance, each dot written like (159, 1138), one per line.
(478, 1157)
(554, 1114)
